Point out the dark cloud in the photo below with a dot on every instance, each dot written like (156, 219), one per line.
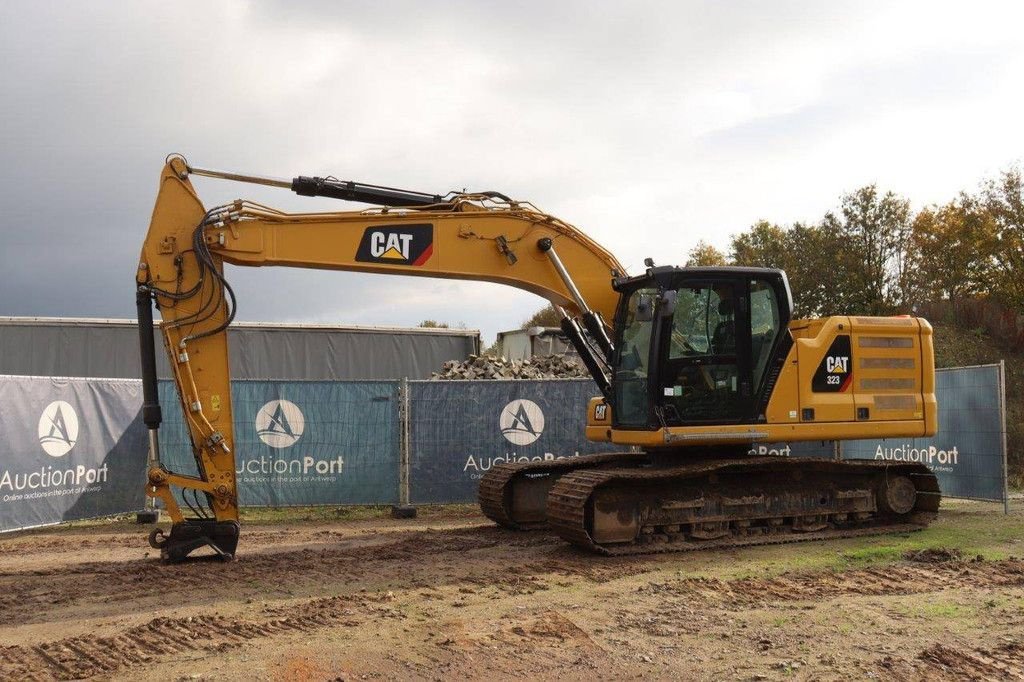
(649, 125)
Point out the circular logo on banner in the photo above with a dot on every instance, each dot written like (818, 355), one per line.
(280, 423)
(522, 422)
(58, 428)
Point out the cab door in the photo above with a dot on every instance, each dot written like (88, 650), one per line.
(705, 354)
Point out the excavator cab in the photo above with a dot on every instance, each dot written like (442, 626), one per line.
(698, 346)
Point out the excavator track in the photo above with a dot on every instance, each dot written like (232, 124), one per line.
(738, 502)
(514, 494)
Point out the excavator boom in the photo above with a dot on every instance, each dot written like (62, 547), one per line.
(475, 236)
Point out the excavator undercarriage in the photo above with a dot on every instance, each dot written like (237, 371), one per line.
(627, 503)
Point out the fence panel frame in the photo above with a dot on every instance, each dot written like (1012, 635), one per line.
(1002, 425)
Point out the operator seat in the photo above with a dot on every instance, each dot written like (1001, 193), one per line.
(723, 341)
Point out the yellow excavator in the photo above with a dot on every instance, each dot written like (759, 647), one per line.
(694, 366)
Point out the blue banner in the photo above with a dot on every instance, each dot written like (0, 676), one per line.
(967, 452)
(303, 442)
(460, 429)
(72, 449)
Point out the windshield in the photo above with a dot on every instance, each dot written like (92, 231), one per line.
(633, 359)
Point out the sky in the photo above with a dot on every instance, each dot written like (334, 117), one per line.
(648, 125)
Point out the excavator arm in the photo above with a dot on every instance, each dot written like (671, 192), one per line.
(482, 236)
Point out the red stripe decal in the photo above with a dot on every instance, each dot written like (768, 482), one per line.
(425, 255)
(846, 382)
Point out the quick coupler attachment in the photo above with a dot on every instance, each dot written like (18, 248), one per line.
(193, 534)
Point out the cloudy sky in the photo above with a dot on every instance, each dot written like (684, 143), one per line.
(648, 125)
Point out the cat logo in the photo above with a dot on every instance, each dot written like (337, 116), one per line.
(834, 374)
(838, 365)
(397, 245)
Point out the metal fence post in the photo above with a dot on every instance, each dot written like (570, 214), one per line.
(403, 510)
(1002, 428)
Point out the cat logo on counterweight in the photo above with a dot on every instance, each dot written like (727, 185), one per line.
(835, 373)
(397, 245)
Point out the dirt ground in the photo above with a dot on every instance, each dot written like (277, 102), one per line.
(446, 595)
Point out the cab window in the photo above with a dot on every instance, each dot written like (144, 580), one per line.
(701, 379)
(632, 360)
(704, 322)
(764, 326)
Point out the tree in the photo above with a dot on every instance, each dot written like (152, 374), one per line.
(1003, 200)
(818, 286)
(764, 245)
(433, 324)
(870, 241)
(951, 250)
(545, 317)
(805, 254)
(703, 254)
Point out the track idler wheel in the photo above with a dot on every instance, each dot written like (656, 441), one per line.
(896, 495)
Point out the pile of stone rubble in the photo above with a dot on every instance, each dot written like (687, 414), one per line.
(491, 367)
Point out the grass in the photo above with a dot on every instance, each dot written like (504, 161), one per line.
(866, 556)
(974, 533)
(974, 528)
(274, 515)
(262, 516)
(944, 610)
(938, 608)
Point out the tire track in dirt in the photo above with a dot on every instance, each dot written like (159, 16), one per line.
(947, 662)
(90, 655)
(27, 595)
(44, 544)
(689, 605)
(1003, 662)
(880, 581)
